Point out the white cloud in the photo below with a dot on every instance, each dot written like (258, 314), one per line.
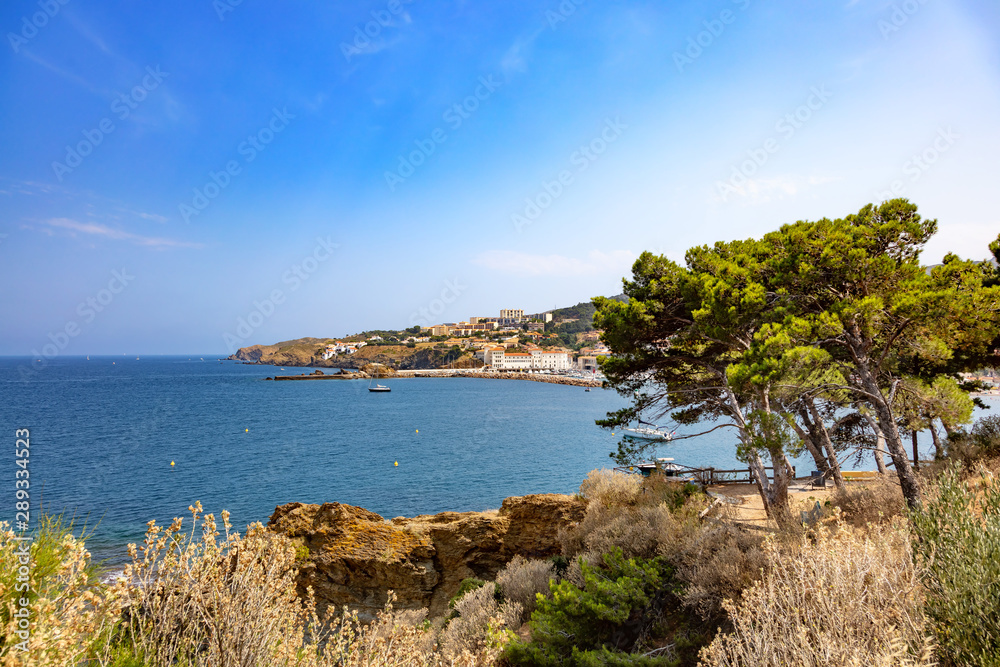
(515, 59)
(764, 190)
(96, 229)
(596, 263)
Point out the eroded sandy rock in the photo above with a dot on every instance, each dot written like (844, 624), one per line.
(356, 556)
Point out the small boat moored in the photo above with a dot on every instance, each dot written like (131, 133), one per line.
(378, 388)
(665, 465)
(648, 432)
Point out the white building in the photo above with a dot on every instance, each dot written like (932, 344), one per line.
(340, 347)
(536, 360)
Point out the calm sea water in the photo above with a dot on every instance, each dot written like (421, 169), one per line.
(104, 431)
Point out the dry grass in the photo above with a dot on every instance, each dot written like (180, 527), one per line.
(201, 597)
(68, 611)
(872, 503)
(522, 580)
(850, 598)
(611, 488)
(201, 600)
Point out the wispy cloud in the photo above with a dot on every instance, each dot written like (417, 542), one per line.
(596, 262)
(515, 57)
(30, 188)
(89, 34)
(63, 73)
(75, 227)
(764, 190)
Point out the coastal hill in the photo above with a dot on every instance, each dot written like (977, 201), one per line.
(309, 352)
(566, 325)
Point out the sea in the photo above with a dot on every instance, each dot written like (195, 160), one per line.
(118, 441)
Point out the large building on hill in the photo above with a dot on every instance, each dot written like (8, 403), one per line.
(500, 359)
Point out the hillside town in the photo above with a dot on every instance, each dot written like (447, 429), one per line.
(512, 341)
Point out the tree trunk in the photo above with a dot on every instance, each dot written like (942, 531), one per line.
(916, 454)
(817, 426)
(760, 480)
(774, 496)
(897, 451)
(938, 447)
(879, 444)
(780, 511)
(821, 463)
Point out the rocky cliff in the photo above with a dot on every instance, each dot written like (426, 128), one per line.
(309, 352)
(356, 556)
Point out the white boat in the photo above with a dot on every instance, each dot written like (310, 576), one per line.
(664, 465)
(377, 387)
(648, 432)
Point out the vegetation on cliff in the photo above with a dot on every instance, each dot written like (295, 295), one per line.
(640, 579)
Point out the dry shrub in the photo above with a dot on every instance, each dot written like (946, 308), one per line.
(610, 488)
(876, 502)
(393, 639)
(850, 598)
(642, 532)
(643, 518)
(68, 610)
(479, 625)
(198, 600)
(718, 562)
(659, 517)
(522, 580)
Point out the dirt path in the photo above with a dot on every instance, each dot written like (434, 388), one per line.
(745, 506)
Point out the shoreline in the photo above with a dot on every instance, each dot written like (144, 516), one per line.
(436, 372)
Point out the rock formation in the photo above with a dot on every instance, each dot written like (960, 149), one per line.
(356, 556)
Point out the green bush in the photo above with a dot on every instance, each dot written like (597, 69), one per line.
(986, 435)
(601, 622)
(958, 547)
(982, 440)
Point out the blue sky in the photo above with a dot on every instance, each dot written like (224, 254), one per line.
(380, 164)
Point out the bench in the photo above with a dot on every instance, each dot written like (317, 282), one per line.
(858, 475)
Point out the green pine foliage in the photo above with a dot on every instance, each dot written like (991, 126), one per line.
(602, 622)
